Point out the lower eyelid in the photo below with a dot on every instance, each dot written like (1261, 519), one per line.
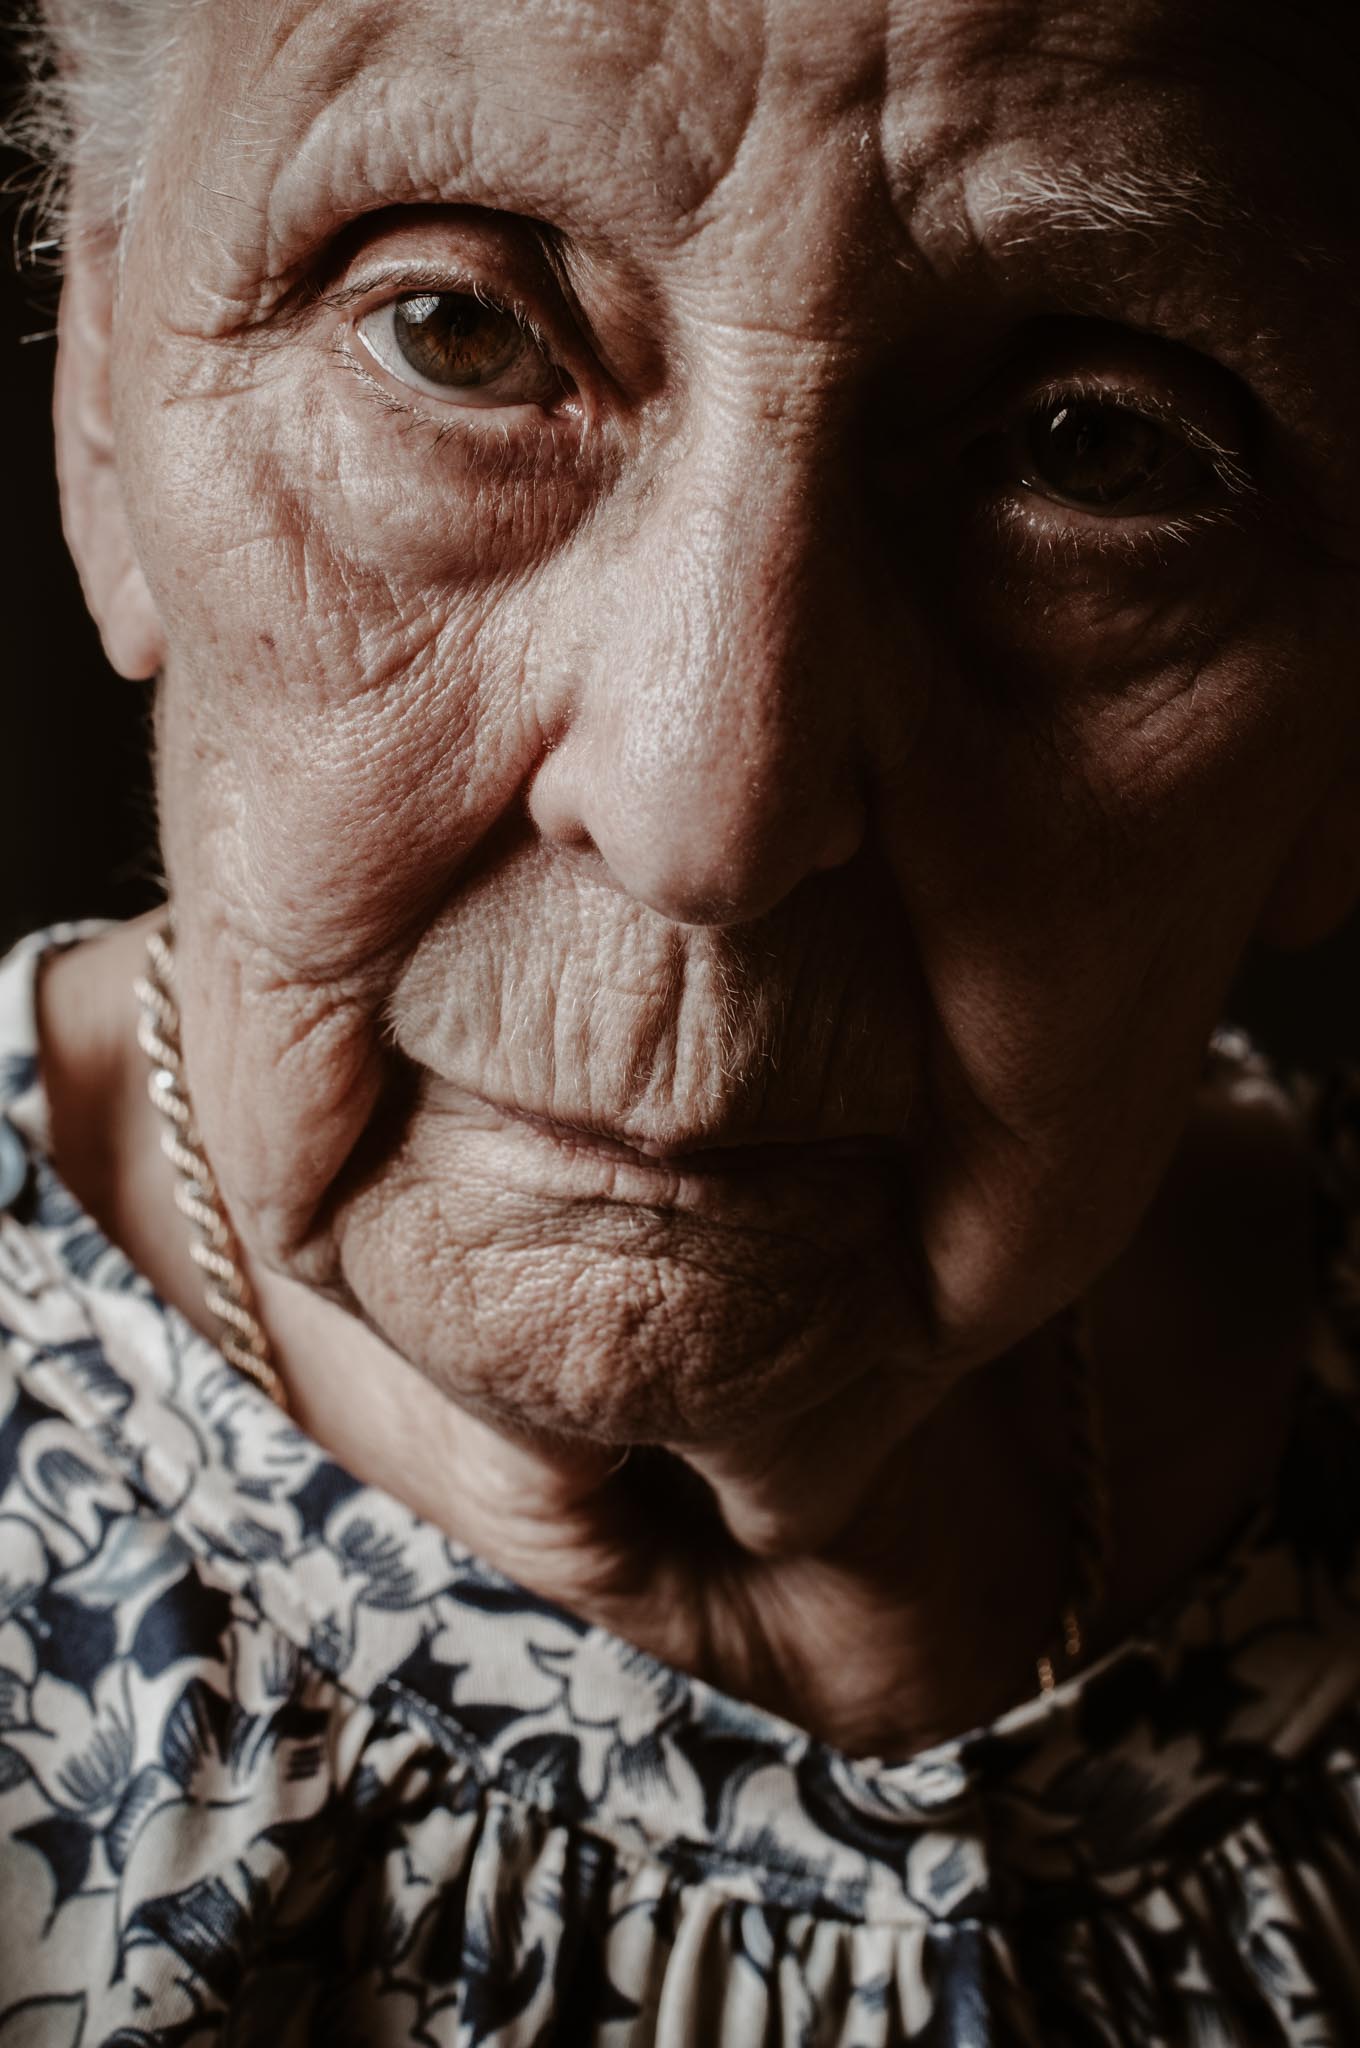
(499, 442)
(1072, 539)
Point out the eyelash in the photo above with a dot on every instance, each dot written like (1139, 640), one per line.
(412, 283)
(1071, 546)
(1093, 390)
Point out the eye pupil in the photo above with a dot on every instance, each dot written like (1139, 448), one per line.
(454, 338)
(1096, 455)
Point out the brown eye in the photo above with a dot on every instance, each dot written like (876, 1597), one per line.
(461, 348)
(454, 339)
(1106, 458)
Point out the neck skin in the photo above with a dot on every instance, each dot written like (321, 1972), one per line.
(882, 1597)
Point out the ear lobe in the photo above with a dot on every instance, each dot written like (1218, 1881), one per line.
(93, 515)
(1319, 885)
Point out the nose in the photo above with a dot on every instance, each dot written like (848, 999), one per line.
(711, 738)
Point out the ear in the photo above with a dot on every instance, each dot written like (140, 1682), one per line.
(93, 514)
(1319, 884)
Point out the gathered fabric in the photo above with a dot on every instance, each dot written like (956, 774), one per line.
(281, 1764)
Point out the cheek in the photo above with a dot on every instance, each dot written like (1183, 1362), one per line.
(336, 735)
(1127, 776)
(1092, 880)
(287, 1078)
(338, 725)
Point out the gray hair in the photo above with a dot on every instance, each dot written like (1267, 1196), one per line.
(91, 70)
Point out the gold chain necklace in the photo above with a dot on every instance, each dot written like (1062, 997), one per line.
(243, 1340)
(213, 1246)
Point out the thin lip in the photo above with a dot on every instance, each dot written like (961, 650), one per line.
(708, 1155)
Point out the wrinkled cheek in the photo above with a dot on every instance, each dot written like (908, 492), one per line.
(331, 748)
(333, 821)
(342, 717)
(287, 1082)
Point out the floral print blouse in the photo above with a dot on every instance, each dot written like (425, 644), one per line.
(280, 1764)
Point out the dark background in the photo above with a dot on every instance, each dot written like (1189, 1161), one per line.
(77, 836)
(77, 832)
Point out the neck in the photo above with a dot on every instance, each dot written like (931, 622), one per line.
(761, 1568)
(881, 1593)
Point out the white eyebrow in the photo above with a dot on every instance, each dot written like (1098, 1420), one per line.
(1024, 204)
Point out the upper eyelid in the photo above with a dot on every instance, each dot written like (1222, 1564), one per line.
(436, 280)
(1096, 390)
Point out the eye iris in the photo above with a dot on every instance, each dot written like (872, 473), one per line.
(1096, 454)
(453, 338)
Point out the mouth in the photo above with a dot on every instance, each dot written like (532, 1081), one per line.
(715, 1155)
(697, 1155)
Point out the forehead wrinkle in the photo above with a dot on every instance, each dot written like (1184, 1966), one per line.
(390, 136)
(387, 103)
(394, 104)
(294, 38)
(298, 58)
(683, 79)
(403, 140)
(323, 46)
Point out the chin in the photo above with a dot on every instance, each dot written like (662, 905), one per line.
(664, 1308)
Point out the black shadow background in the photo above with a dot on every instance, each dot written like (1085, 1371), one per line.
(77, 835)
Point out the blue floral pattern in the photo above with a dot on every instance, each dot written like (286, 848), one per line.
(281, 1764)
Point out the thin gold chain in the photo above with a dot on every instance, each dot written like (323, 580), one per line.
(1089, 1508)
(213, 1246)
(227, 1292)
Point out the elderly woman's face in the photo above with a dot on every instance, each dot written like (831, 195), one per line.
(753, 601)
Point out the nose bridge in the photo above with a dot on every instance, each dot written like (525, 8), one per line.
(740, 563)
(712, 753)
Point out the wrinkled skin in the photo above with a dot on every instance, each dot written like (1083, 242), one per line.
(720, 741)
